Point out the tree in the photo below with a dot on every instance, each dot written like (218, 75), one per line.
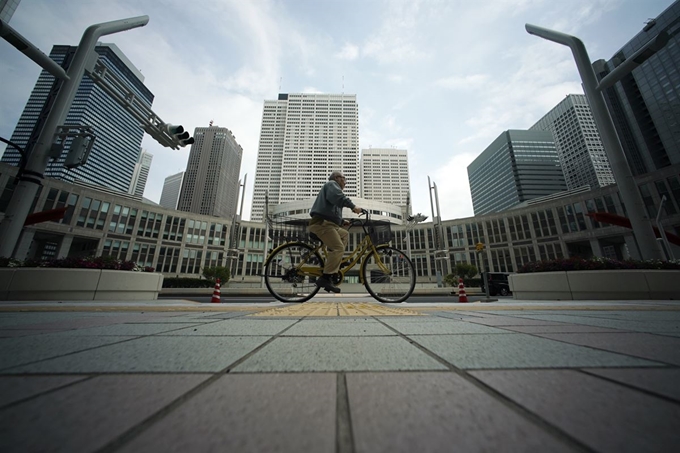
(466, 271)
(462, 270)
(215, 272)
(451, 280)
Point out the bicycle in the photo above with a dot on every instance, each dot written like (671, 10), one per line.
(387, 273)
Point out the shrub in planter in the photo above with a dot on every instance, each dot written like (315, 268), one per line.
(452, 280)
(472, 282)
(593, 264)
(9, 262)
(89, 262)
(213, 273)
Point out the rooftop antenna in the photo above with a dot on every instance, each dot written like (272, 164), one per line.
(343, 84)
(280, 80)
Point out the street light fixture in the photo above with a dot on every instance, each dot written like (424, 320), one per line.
(641, 223)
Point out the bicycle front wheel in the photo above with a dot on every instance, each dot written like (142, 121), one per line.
(286, 272)
(389, 275)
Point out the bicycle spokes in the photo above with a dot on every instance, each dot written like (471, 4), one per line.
(290, 270)
(389, 275)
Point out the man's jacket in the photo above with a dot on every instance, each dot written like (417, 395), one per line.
(329, 203)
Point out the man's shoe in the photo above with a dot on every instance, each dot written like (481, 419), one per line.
(325, 283)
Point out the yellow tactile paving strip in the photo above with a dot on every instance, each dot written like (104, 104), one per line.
(337, 309)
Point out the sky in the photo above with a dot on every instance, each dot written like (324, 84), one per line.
(439, 78)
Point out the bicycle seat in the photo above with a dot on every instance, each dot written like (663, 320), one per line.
(314, 237)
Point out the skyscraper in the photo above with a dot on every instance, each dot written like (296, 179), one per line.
(385, 176)
(211, 182)
(141, 173)
(516, 167)
(578, 143)
(171, 190)
(644, 103)
(118, 135)
(304, 137)
(7, 8)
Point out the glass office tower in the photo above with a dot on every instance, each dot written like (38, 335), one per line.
(645, 104)
(118, 135)
(518, 166)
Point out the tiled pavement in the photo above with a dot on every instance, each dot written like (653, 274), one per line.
(489, 377)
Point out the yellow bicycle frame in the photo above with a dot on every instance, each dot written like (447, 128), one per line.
(363, 250)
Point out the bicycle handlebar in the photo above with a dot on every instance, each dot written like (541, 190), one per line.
(357, 221)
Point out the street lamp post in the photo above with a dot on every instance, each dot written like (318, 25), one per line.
(411, 222)
(641, 223)
(266, 236)
(25, 191)
(440, 254)
(233, 252)
(484, 272)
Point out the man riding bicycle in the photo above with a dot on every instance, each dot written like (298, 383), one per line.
(327, 224)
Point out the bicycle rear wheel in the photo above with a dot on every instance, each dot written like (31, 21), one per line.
(284, 272)
(389, 275)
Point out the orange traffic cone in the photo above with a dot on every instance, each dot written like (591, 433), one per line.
(216, 294)
(462, 297)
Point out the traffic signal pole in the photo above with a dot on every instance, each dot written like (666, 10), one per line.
(27, 188)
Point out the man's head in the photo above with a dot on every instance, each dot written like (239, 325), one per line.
(338, 177)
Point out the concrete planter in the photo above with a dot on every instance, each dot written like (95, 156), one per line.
(78, 284)
(597, 285)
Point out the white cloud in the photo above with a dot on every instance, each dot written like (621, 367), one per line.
(463, 82)
(453, 188)
(348, 52)
(311, 90)
(397, 38)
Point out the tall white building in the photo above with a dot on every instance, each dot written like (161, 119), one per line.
(7, 8)
(171, 190)
(304, 137)
(141, 173)
(385, 176)
(578, 143)
(211, 184)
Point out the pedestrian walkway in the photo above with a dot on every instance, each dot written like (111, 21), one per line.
(326, 309)
(337, 375)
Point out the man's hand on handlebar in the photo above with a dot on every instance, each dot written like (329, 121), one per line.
(357, 210)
